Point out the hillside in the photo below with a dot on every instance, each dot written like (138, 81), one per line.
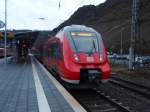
(112, 17)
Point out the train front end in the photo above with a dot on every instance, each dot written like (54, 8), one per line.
(85, 56)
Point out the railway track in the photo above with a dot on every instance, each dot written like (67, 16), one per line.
(100, 100)
(93, 100)
(138, 88)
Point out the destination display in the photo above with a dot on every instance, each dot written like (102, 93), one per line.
(82, 34)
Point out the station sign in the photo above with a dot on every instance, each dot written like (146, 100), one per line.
(10, 35)
(2, 24)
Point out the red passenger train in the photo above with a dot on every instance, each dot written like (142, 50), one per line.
(78, 55)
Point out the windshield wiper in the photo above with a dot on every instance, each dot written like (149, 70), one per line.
(93, 47)
(76, 50)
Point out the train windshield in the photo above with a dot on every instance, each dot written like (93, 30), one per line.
(85, 42)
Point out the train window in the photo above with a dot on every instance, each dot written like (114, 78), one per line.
(86, 45)
(58, 53)
(56, 50)
(52, 50)
(44, 52)
(86, 42)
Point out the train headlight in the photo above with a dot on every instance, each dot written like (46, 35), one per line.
(76, 57)
(101, 58)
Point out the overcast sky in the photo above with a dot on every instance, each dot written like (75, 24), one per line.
(40, 14)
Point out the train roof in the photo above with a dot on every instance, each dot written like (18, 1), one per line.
(78, 28)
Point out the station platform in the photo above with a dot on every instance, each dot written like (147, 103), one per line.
(29, 87)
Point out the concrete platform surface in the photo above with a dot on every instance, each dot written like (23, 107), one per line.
(28, 87)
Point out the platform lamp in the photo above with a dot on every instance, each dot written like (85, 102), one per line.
(5, 36)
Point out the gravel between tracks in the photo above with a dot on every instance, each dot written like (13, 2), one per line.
(126, 97)
(141, 75)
